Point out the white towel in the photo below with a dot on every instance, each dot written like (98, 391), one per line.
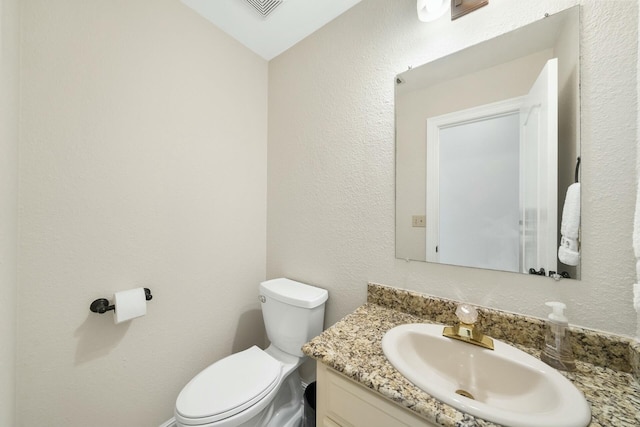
(569, 251)
(636, 250)
(571, 212)
(636, 305)
(568, 256)
(636, 228)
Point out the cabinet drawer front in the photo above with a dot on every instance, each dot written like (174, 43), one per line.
(351, 405)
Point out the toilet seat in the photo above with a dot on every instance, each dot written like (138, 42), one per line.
(228, 387)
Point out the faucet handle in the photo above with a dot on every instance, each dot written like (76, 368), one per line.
(466, 330)
(467, 314)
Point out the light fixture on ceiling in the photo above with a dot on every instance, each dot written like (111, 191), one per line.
(430, 10)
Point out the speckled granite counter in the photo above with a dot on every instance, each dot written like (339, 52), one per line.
(352, 347)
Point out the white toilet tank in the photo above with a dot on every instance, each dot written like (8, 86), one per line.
(293, 313)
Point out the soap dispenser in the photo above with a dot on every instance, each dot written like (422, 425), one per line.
(557, 345)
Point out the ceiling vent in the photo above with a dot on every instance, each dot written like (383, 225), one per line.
(264, 7)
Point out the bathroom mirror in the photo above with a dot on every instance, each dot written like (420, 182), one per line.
(487, 143)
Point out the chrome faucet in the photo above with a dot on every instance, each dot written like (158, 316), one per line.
(466, 330)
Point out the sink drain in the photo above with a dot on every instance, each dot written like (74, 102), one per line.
(465, 394)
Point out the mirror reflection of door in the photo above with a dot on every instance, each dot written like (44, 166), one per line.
(539, 174)
(492, 182)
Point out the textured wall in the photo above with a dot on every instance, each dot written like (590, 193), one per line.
(331, 159)
(143, 163)
(9, 65)
(637, 212)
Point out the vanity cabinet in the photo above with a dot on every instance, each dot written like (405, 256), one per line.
(342, 402)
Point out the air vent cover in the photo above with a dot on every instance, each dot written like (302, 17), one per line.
(264, 7)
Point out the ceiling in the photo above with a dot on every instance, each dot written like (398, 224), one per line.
(288, 23)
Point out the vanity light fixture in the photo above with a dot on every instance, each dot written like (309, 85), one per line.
(430, 10)
(462, 7)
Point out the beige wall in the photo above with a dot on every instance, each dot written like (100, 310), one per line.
(637, 212)
(143, 163)
(9, 66)
(143, 160)
(331, 160)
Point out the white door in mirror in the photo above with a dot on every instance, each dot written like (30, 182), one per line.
(539, 172)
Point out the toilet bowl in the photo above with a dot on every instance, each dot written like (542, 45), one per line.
(255, 387)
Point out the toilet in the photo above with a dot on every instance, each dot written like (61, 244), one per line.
(255, 387)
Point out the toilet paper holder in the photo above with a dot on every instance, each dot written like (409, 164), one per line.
(101, 305)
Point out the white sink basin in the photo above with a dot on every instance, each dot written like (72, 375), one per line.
(504, 385)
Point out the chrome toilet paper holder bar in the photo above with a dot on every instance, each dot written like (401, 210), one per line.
(101, 305)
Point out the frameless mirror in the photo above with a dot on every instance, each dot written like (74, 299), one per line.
(487, 144)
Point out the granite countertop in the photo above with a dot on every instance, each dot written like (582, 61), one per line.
(353, 347)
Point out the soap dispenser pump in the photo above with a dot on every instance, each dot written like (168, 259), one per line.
(557, 347)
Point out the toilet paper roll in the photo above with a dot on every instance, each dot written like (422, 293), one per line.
(129, 305)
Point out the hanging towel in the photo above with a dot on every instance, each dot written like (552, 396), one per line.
(568, 256)
(569, 251)
(636, 306)
(636, 230)
(636, 250)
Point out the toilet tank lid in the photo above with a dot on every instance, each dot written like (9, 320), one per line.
(294, 293)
